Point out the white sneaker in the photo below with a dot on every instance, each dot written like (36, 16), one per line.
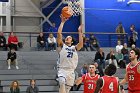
(17, 67)
(9, 67)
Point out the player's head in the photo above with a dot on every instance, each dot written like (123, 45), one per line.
(134, 54)
(110, 70)
(91, 68)
(69, 40)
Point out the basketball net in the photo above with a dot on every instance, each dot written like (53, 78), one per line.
(75, 6)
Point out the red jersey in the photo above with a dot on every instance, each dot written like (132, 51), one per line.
(12, 39)
(89, 82)
(133, 78)
(110, 84)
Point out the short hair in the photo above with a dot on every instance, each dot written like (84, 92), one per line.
(137, 52)
(110, 70)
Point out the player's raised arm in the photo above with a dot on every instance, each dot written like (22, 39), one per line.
(59, 34)
(80, 44)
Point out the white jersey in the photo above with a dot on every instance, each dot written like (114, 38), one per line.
(68, 57)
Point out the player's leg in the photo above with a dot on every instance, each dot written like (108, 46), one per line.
(70, 81)
(67, 88)
(62, 85)
(9, 63)
(16, 63)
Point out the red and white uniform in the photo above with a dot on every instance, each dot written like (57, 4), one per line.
(133, 78)
(89, 82)
(110, 84)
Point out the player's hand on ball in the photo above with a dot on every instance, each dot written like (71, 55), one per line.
(63, 19)
(80, 28)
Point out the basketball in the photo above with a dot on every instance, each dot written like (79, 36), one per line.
(67, 12)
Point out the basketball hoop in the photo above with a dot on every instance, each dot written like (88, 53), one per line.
(75, 5)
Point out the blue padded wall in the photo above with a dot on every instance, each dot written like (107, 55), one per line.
(104, 16)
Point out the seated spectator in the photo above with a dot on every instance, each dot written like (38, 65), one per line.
(32, 88)
(119, 56)
(14, 88)
(2, 41)
(125, 53)
(100, 59)
(41, 42)
(111, 59)
(13, 41)
(12, 58)
(119, 46)
(94, 46)
(133, 35)
(51, 42)
(84, 69)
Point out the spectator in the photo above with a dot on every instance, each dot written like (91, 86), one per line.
(41, 42)
(94, 46)
(12, 58)
(32, 88)
(119, 46)
(133, 35)
(111, 59)
(13, 41)
(120, 30)
(100, 59)
(125, 53)
(119, 56)
(2, 41)
(51, 42)
(84, 69)
(14, 88)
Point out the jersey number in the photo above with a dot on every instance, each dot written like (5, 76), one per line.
(90, 86)
(131, 77)
(111, 86)
(70, 54)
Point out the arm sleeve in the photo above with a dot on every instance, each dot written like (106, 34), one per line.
(49, 41)
(37, 90)
(16, 38)
(27, 90)
(54, 40)
(4, 40)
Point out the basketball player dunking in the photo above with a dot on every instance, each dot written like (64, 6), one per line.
(68, 58)
(132, 75)
(89, 79)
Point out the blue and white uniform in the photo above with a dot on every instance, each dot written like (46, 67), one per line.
(67, 63)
